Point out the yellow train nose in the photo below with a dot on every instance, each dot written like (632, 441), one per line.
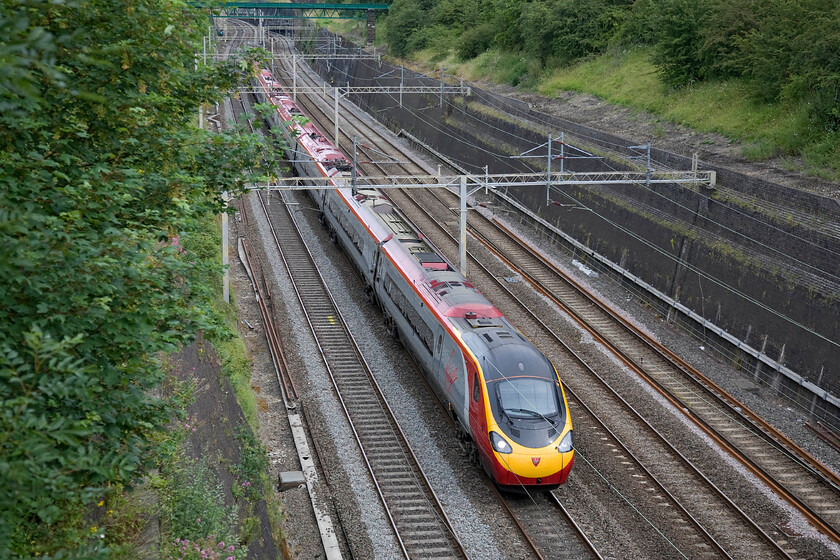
(536, 463)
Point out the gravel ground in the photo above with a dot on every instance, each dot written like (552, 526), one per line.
(459, 485)
(728, 474)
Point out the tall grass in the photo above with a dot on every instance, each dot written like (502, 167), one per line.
(626, 77)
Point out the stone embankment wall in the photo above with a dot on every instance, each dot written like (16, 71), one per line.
(760, 260)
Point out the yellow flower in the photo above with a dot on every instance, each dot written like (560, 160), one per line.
(100, 503)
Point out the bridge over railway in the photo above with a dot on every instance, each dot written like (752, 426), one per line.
(297, 10)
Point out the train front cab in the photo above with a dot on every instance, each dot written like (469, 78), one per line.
(522, 409)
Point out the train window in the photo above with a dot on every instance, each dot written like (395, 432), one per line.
(476, 389)
(418, 325)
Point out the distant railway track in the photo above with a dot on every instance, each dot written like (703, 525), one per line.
(419, 521)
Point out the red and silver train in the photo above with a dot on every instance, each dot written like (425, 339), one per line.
(505, 397)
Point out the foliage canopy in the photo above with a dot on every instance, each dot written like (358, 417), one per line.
(788, 50)
(102, 169)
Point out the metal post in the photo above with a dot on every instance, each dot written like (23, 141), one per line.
(225, 258)
(562, 152)
(548, 182)
(462, 253)
(647, 172)
(355, 163)
(402, 78)
(200, 113)
(204, 50)
(442, 75)
(294, 78)
(335, 136)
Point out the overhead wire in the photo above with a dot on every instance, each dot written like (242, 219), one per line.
(503, 157)
(660, 165)
(702, 273)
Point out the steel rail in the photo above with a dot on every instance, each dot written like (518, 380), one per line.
(549, 332)
(556, 501)
(715, 397)
(411, 545)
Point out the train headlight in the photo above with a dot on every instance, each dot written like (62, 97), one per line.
(567, 443)
(499, 443)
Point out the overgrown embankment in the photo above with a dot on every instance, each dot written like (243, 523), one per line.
(765, 73)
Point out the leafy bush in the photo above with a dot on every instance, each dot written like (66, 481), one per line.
(405, 18)
(639, 24)
(794, 53)
(102, 169)
(726, 31)
(252, 466)
(475, 41)
(194, 515)
(677, 53)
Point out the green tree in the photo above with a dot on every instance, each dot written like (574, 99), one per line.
(725, 35)
(678, 49)
(793, 52)
(405, 19)
(567, 30)
(101, 170)
(505, 17)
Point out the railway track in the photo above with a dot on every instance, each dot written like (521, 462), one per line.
(787, 469)
(533, 518)
(419, 522)
(663, 496)
(776, 545)
(546, 537)
(699, 541)
(420, 525)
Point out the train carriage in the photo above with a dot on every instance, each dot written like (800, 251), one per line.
(505, 397)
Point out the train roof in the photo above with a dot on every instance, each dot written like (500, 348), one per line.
(453, 294)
